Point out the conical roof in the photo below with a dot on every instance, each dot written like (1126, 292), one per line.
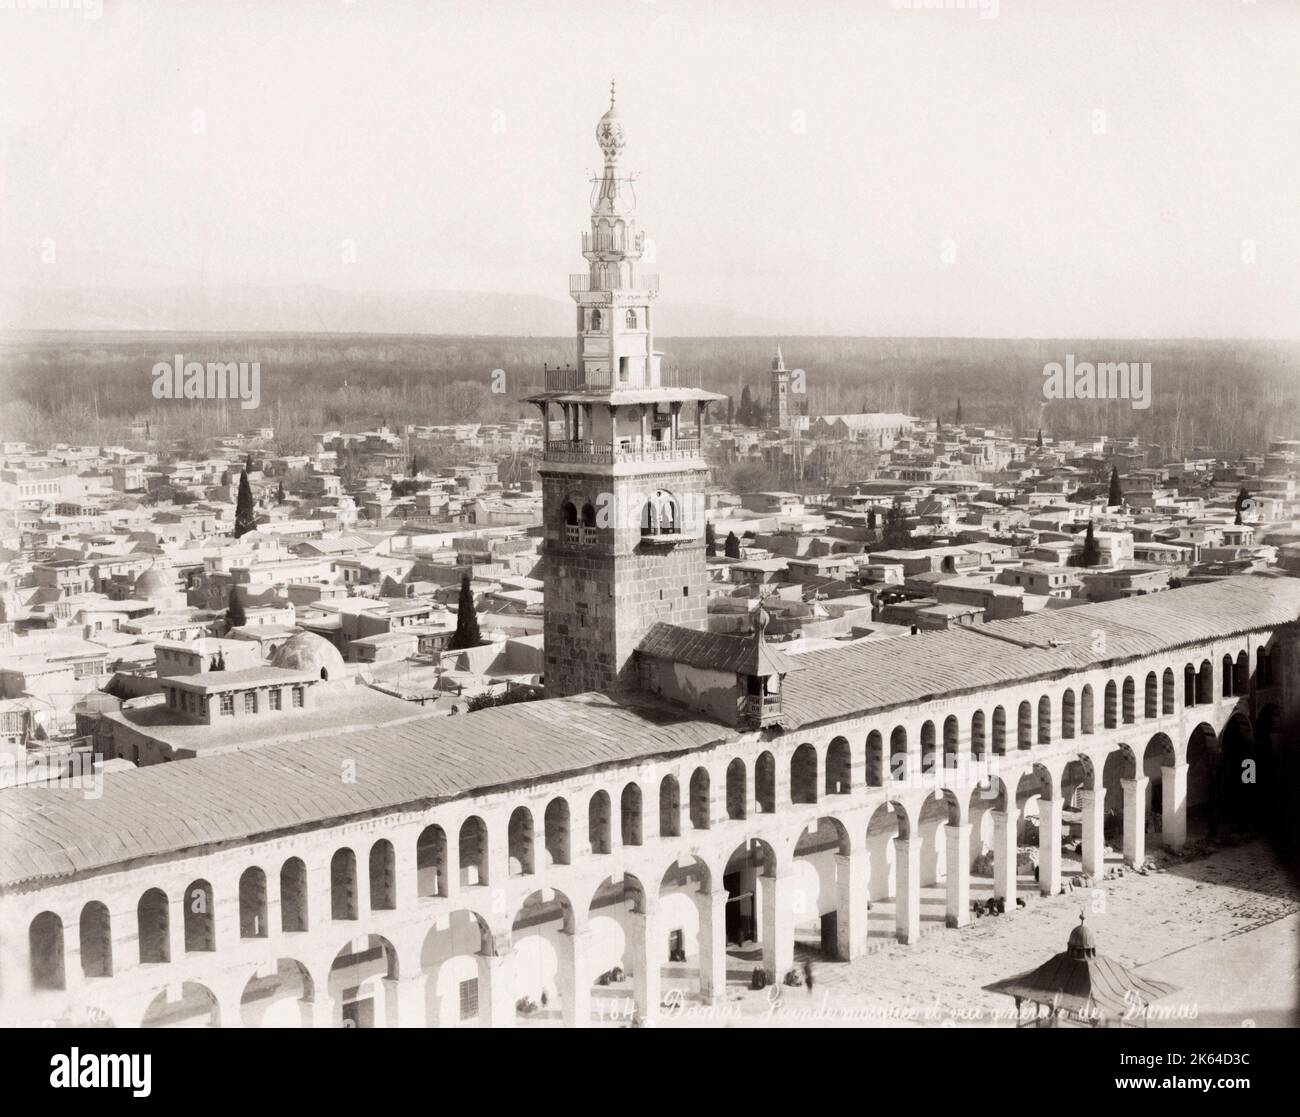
(1083, 982)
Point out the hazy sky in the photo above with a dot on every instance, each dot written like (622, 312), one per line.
(1070, 167)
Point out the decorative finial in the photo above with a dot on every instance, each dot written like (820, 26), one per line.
(611, 93)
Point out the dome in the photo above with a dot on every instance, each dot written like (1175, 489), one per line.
(308, 652)
(1082, 943)
(609, 130)
(152, 583)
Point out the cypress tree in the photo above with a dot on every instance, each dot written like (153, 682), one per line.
(959, 412)
(1116, 496)
(1040, 438)
(710, 539)
(1091, 549)
(244, 521)
(279, 494)
(732, 547)
(235, 616)
(467, 633)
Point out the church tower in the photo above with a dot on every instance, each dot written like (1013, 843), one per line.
(623, 476)
(778, 406)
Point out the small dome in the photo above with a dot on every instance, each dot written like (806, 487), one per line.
(609, 130)
(1082, 940)
(152, 583)
(308, 652)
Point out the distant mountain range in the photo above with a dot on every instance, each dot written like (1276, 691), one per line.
(307, 308)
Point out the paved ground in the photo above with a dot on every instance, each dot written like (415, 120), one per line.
(1225, 928)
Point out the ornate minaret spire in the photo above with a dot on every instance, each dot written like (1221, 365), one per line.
(624, 477)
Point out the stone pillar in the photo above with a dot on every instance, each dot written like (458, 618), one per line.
(1004, 857)
(1173, 788)
(958, 874)
(644, 948)
(499, 970)
(1049, 846)
(777, 937)
(574, 978)
(176, 928)
(851, 904)
(453, 862)
(1135, 820)
(713, 945)
(1093, 805)
(907, 891)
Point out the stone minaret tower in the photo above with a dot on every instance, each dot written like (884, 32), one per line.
(623, 479)
(778, 407)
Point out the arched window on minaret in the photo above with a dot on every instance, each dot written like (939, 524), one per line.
(570, 512)
(595, 320)
(631, 319)
(588, 515)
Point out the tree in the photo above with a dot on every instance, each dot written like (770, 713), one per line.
(1116, 496)
(244, 519)
(871, 519)
(1040, 438)
(235, 615)
(732, 547)
(415, 465)
(279, 494)
(710, 539)
(731, 412)
(896, 535)
(1091, 549)
(1237, 518)
(467, 634)
(745, 412)
(219, 664)
(1243, 495)
(958, 419)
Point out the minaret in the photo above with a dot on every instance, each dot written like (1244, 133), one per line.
(623, 477)
(778, 408)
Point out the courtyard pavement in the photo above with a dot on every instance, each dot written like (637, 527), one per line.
(1225, 928)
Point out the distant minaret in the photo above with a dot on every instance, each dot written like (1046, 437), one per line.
(623, 474)
(778, 408)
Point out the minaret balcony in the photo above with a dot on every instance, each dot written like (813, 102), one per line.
(581, 283)
(631, 450)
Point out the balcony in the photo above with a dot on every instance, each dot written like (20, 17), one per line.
(604, 453)
(579, 380)
(760, 708)
(581, 282)
(579, 535)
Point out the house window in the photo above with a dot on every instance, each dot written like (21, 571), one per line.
(631, 319)
(297, 697)
(469, 999)
(275, 699)
(228, 704)
(250, 701)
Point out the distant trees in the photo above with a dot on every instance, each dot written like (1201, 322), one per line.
(235, 615)
(467, 634)
(732, 546)
(244, 517)
(1116, 495)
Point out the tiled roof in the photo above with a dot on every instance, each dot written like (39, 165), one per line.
(165, 808)
(880, 675)
(717, 651)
